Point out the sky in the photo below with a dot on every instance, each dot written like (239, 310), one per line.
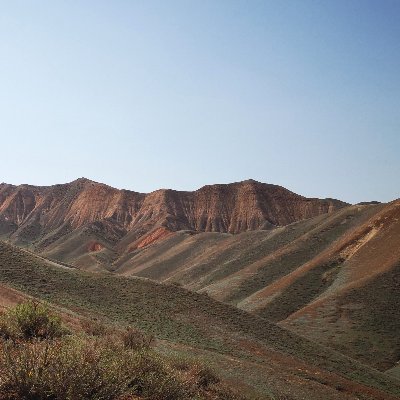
(150, 94)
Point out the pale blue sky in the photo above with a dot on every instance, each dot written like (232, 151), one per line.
(149, 94)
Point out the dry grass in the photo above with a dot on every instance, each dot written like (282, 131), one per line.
(109, 365)
(65, 369)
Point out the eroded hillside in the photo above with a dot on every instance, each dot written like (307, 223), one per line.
(92, 224)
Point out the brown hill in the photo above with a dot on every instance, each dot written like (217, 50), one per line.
(110, 222)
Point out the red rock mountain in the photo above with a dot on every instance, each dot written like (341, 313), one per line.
(122, 220)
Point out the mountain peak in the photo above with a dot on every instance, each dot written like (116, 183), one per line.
(83, 180)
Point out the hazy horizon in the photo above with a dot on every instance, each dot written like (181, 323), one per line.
(180, 94)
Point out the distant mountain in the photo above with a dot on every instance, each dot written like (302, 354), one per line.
(71, 221)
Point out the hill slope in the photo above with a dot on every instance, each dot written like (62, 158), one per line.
(264, 357)
(332, 278)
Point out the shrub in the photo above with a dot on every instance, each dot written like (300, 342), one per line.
(205, 376)
(30, 320)
(44, 365)
(94, 327)
(7, 328)
(73, 368)
(135, 339)
(196, 373)
(181, 363)
(65, 369)
(156, 380)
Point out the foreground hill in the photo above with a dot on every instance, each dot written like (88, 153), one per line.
(251, 352)
(91, 224)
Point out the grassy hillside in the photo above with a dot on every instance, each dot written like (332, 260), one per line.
(189, 322)
(362, 322)
(395, 371)
(331, 278)
(358, 313)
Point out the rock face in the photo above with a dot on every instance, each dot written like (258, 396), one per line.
(125, 219)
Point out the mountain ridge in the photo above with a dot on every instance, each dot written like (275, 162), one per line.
(40, 214)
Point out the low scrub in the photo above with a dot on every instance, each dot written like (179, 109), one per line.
(30, 320)
(45, 364)
(134, 339)
(65, 369)
(94, 327)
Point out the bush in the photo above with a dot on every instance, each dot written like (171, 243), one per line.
(206, 377)
(156, 380)
(30, 320)
(198, 374)
(94, 327)
(39, 363)
(134, 339)
(65, 369)
(86, 368)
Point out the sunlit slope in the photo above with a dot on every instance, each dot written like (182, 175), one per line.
(359, 313)
(231, 268)
(195, 320)
(333, 278)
